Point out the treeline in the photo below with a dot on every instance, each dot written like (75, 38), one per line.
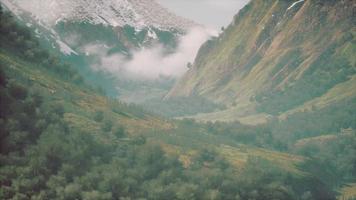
(337, 155)
(260, 136)
(318, 121)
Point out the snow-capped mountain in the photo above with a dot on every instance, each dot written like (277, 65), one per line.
(136, 23)
(136, 13)
(92, 33)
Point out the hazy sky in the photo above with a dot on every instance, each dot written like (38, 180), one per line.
(212, 13)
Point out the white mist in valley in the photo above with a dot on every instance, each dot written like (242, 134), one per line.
(152, 63)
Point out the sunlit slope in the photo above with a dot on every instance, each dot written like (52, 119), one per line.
(337, 94)
(277, 56)
(348, 192)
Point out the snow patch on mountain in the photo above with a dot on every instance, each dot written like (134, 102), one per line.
(294, 4)
(152, 34)
(65, 49)
(136, 13)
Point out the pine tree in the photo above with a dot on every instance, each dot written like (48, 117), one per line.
(1, 15)
(189, 65)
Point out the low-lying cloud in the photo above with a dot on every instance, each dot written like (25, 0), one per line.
(152, 63)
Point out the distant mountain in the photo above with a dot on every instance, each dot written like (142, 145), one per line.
(136, 13)
(82, 32)
(145, 17)
(277, 57)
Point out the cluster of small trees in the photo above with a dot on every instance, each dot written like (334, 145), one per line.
(260, 135)
(19, 113)
(316, 122)
(337, 156)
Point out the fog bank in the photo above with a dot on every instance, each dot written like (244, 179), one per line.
(152, 63)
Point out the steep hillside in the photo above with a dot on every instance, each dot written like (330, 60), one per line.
(25, 62)
(276, 56)
(80, 104)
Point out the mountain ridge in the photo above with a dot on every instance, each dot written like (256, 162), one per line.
(276, 59)
(84, 32)
(135, 23)
(136, 13)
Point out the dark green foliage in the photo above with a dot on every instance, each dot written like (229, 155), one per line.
(189, 65)
(328, 120)
(21, 117)
(252, 62)
(88, 32)
(117, 38)
(287, 62)
(58, 109)
(206, 155)
(260, 136)
(137, 38)
(17, 91)
(119, 132)
(337, 156)
(167, 38)
(107, 126)
(129, 110)
(2, 75)
(99, 116)
(243, 12)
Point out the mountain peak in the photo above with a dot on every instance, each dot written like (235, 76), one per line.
(136, 13)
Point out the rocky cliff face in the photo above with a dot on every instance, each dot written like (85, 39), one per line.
(277, 55)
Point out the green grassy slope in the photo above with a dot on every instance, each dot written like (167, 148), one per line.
(272, 59)
(80, 103)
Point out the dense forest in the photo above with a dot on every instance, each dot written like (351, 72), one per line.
(42, 156)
